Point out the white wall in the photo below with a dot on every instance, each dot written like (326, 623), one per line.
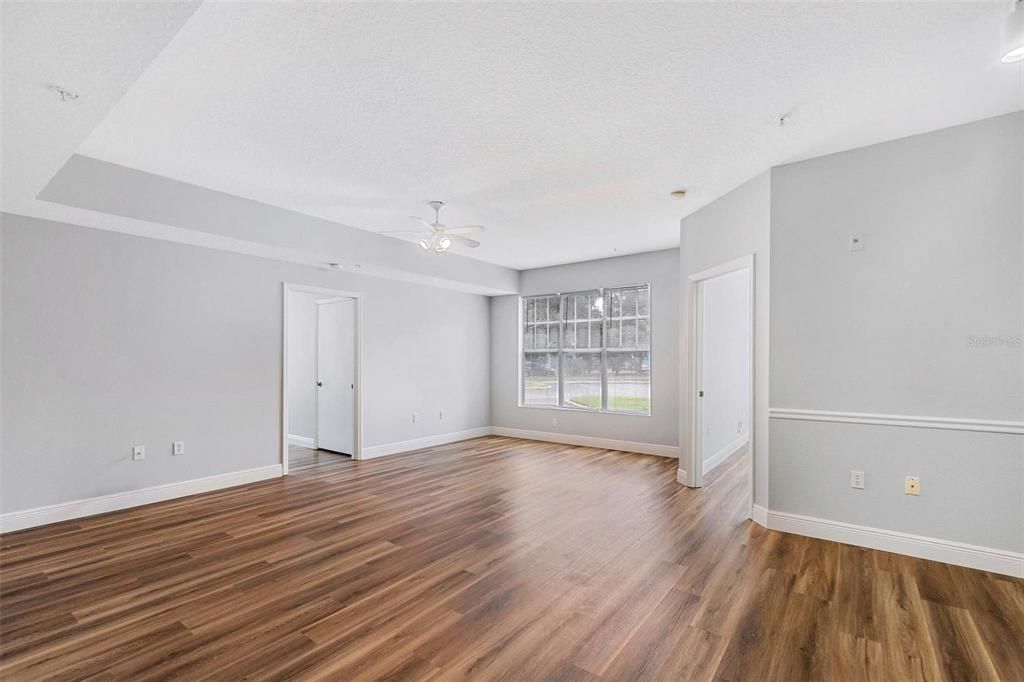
(888, 330)
(302, 363)
(661, 270)
(110, 340)
(736, 225)
(726, 362)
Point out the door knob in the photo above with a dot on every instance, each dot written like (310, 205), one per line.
(700, 394)
(319, 383)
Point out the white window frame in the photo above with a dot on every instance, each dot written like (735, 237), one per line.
(560, 350)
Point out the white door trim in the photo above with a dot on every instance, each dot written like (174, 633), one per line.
(357, 297)
(693, 465)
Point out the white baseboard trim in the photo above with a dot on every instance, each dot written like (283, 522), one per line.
(725, 452)
(64, 511)
(947, 551)
(589, 441)
(401, 446)
(302, 441)
(760, 515)
(905, 420)
(681, 476)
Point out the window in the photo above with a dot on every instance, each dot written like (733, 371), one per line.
(588, 350)
(541, 340)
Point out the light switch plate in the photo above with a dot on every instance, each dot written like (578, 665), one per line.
(138, 452)
(856, 242)
(178, 448)
(857, 480)
(912, 485)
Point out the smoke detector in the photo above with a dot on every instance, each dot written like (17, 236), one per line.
(63, 93)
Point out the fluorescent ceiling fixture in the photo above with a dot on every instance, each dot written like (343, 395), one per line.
(1013, 35)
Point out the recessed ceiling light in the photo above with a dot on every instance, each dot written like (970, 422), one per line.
(678, 194)
(1013, 35)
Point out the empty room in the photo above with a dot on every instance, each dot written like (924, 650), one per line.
(525, 341)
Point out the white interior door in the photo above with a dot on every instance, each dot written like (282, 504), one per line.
(698, 415)
(336, 375)
(722, 371)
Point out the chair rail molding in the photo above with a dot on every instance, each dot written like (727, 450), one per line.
(900, 420)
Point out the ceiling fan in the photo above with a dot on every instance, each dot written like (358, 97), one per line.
(440, 236)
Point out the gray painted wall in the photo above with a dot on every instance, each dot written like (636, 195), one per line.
(302, 363)
(887, 329)
(222, 220)
(736, 225)
(661, 269)
(110, 340)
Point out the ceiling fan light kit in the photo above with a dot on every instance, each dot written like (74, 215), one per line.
(441, 236)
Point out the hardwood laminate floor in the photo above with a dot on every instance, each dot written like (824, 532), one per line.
(490, 558)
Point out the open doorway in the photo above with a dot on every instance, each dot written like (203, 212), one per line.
(321, 388)
(722, 371)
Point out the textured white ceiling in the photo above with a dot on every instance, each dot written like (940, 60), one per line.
(96, 49)
(562, 127)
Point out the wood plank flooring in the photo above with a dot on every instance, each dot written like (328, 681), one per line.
(492, 558)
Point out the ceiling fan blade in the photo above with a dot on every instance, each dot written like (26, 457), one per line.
(465, 241)
(465, 229)
(406, 233)
(430, 225)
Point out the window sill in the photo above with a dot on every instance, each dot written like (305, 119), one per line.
(555, 408)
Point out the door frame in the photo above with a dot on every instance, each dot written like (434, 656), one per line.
(695, 467)
(331, 293)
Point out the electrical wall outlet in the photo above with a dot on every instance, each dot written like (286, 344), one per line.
(912, 485)
(138, 452)
(739, 427)
(178, 448)
(857, 480)
(856, 242)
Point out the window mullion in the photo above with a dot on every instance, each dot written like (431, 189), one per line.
(605, 306)
(524, 306)
(561, 344)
